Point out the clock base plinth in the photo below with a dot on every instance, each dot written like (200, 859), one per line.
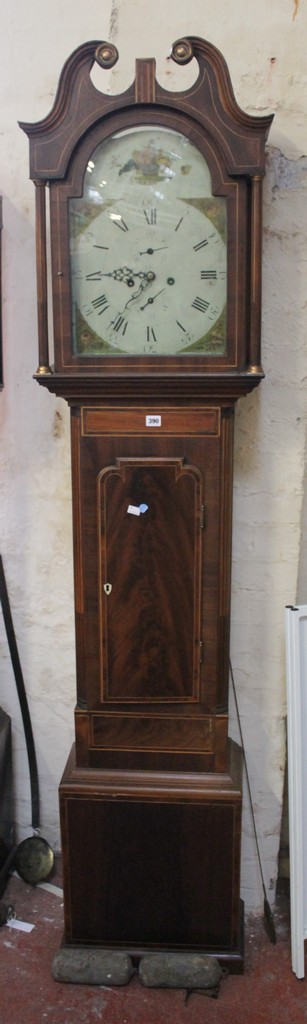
(151, 861)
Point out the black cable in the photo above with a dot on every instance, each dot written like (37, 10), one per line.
(268, 916)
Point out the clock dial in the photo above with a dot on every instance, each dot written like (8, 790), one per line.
(148, 250)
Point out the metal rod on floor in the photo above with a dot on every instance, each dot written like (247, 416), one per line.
(10, 632)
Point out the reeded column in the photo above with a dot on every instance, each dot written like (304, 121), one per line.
(41, 277)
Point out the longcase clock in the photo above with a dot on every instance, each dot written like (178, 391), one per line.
(155, 224)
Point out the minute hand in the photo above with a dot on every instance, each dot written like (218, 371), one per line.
(152, 298)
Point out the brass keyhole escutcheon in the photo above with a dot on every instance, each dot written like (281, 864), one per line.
(107, 588)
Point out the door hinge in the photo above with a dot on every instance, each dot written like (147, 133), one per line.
(201, 651)
(202, 517)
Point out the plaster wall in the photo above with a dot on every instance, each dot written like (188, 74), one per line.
(264, 45)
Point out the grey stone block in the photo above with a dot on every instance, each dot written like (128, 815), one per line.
(180, 970)
(83, 966)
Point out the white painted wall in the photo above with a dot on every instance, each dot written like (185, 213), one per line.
(265, 47)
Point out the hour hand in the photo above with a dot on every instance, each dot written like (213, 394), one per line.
(122, 274)
(128, 276)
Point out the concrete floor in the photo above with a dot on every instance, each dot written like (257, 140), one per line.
(267, 993)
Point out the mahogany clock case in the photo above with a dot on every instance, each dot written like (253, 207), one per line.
(151, 796)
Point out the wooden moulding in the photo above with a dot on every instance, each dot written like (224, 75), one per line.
(210, 100)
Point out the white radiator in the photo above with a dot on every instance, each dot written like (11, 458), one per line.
(296, 654)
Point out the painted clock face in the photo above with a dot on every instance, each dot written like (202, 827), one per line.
(148, 250)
